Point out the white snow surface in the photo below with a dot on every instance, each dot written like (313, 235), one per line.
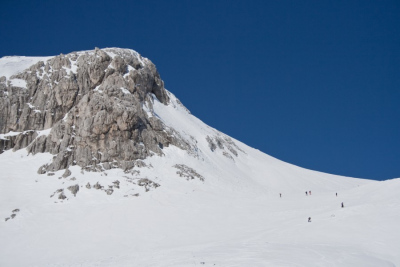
(125, 91)
(18, 83)
(11, 133)
(11, 65)
(235, 217)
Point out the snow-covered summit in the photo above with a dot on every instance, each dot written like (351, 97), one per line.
(108, 168)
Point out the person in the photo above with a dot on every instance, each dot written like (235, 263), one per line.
(306, 193)
(309, 192)
(280, 195)
(336, 193)
(309, 219)
(342, 205)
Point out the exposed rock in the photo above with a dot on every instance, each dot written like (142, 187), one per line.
(147, 183)
(97, 186)
(42, 169)
(109, 191)
(15, 211)
(135, 172)
(74, 189)
(57, 191)
(226, 154)
(116, 184)
(66, 173)
(93, 168)
(50, 174)
(6, 219)
(219, 142)
(233, 151)
(211, 143)
(92, 103)
(13, 216)
(88, 186)
(140, 164)
(61, 196)
(187, 172)
(222, 142)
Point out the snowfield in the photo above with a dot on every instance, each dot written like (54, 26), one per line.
(13, 65)
(201, 207)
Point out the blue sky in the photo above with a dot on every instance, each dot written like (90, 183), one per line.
(314, 83)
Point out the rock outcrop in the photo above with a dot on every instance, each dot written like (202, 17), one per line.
(187, 172)
(91, 108)
(74, 189)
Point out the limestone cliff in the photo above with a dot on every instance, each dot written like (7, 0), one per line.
(95, 105)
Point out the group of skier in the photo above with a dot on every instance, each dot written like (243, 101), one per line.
(309, 193)
(309, 218)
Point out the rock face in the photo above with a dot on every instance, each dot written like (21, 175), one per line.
(187, 172)
(91, 108)
(74, 189)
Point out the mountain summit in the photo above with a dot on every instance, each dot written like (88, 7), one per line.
(91, 108)
(102, 166)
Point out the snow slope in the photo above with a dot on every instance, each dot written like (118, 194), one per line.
(12, 65)
(234, 217)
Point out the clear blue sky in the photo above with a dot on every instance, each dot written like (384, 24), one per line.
(314, 83)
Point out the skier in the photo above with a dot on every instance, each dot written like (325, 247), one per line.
(342, 205)
(309, 219)
(336, 194)
(309, 192)
(280, 195)
(306, 193)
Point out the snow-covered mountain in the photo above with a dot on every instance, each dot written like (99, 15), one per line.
(102, 166)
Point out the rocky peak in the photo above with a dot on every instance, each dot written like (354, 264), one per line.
(90, 108)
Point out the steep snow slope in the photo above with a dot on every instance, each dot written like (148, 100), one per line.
(223, 209)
